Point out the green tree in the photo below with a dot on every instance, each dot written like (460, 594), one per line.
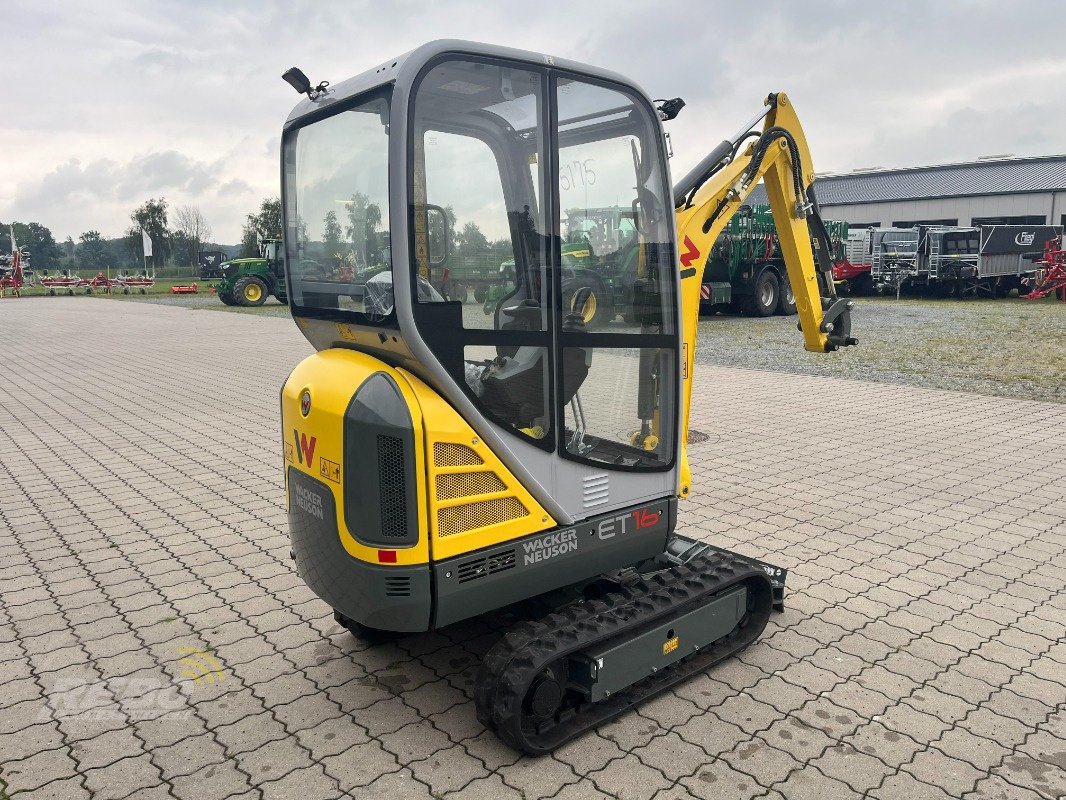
(132, 247)
(264, 224)
(152, 218)
(364, 219)
(471, 241)
(331, 235)
(190, 232)
(34, 238)
(92, 251)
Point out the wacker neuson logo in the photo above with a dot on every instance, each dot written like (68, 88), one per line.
(560, 542)
(307, 501)
(554, 544)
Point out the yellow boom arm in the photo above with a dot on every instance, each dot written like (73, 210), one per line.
(781, 159)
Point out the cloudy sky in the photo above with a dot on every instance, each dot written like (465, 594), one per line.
(107, 103)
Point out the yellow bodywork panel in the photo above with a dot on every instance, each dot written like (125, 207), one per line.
(725, 192)
(315, 444)
(467, 498)
(474, 500)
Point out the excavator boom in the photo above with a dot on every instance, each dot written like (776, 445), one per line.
(708, 197)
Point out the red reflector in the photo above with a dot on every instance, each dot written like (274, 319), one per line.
(387, 556)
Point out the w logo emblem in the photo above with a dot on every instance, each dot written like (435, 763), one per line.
(199, 666)
(305, 447)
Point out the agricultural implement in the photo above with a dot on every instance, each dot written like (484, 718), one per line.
(135, 284)
(64, 283)
(1051, 272)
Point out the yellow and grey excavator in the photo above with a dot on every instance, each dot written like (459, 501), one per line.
(445, 460)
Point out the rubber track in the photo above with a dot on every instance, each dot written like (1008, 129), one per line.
(524, 651)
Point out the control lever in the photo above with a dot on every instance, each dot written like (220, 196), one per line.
(574, 322)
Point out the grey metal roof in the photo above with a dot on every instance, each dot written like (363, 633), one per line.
(1001, 176)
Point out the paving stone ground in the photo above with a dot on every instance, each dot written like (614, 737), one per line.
(143, 542)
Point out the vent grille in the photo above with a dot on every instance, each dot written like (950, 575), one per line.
(398, 587)
(460, 519)
(595, 490)
(447, 454)
(391, 487)
(464, 484)
(486, 565)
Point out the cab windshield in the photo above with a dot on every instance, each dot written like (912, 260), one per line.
(337, 214)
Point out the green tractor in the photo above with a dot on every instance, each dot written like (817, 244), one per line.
(250, 281)
(600, 253)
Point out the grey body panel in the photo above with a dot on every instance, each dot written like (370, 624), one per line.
(416, 598)
(555, 482)
(380, 485)
(621, 662)
(488, 579)
(395, 598)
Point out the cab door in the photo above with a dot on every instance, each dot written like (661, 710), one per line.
(617, 325)
(557, 196)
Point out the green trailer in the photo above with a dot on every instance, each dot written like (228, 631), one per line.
(745, 272)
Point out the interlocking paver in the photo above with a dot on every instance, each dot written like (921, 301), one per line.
(922, 653)
(217, 781)
(122, 777)
(67, 789)
(717, 780)
(950, 774)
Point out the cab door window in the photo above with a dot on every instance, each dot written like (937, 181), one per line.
(618, 359)
(484, 307)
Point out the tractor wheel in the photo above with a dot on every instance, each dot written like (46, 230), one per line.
(250, 291)
(282, 298)
(481, 291)
(763, 301)
(861, 286)
(227, 298)
(367, 634)
(595, 310)
(786, 304)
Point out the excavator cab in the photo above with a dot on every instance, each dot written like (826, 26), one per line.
(445, 459)
(420, 169)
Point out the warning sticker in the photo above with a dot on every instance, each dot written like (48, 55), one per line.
(670, 645)
(330, 470)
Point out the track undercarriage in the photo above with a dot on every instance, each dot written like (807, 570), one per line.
(548, 681)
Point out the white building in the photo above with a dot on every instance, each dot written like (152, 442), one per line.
(1004, 191)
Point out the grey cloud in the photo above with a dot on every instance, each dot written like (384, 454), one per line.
(194, 88)
(235, 187)
(100, 194)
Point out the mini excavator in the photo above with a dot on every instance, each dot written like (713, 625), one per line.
(442, 462)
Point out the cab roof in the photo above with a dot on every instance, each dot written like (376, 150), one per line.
(402, 71)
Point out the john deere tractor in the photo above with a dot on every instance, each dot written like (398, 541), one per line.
(250, 281)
